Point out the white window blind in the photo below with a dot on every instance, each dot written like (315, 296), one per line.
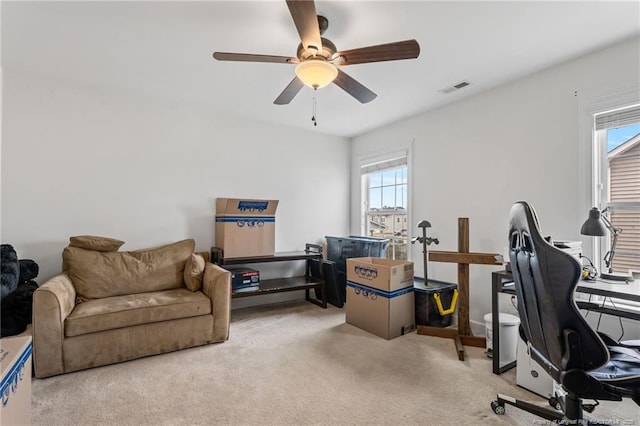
(386, 162)
(618, 117)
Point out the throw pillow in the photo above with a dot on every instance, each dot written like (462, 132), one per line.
(91, 242)
(193, 272)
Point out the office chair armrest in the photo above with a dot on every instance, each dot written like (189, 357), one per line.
(572, 355)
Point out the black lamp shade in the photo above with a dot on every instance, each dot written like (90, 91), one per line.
(594, 225)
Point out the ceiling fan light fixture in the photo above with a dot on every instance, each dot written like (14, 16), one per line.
(316, 73)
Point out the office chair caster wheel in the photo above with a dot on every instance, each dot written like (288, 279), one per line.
(497, 407)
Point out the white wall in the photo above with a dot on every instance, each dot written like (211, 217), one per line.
(521, 141)
(86, 160)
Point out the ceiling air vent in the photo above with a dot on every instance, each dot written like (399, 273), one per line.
(455, 87)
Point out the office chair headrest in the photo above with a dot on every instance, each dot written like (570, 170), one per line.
(524, 227)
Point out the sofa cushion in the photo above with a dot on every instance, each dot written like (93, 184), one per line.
(193, 272)
(97, 274)
(92, 242)
(134, 309)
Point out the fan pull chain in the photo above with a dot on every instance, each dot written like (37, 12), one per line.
(313, 114)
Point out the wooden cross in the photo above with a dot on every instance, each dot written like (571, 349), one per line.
(463, 335)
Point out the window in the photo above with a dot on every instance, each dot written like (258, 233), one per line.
(385, 195)
(617, 183)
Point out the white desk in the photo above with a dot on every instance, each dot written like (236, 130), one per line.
(610, 289)
(618, 289)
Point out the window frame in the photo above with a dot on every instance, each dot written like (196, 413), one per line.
(589, 102)
(381, 162)
(601, 182)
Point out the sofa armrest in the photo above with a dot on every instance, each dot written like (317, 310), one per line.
(53, 301)
(216, 284)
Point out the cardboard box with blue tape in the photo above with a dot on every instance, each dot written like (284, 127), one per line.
(245, 227)
(15, 365)
(380, 296)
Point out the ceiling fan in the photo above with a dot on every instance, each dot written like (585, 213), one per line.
(318, 58)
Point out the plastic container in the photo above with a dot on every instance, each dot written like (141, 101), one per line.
(339, 249)
(427, 312)
(508, 336)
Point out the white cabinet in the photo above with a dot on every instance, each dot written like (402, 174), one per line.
(530, 375)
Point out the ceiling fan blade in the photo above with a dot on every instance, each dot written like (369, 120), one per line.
(354, 88)
(304, 16)
(289, 92)
(408, 49)
(247, 57)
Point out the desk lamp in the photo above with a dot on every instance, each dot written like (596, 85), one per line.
(597, 225)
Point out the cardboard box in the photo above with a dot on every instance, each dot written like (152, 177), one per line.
(246, 228)
(243, 277)
(15, 388)
(380, 296)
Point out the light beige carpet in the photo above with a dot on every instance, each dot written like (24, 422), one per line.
(295, 364)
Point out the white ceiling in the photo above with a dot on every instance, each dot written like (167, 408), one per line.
(165, 48)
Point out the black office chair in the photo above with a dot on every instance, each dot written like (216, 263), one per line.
(557, 335)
